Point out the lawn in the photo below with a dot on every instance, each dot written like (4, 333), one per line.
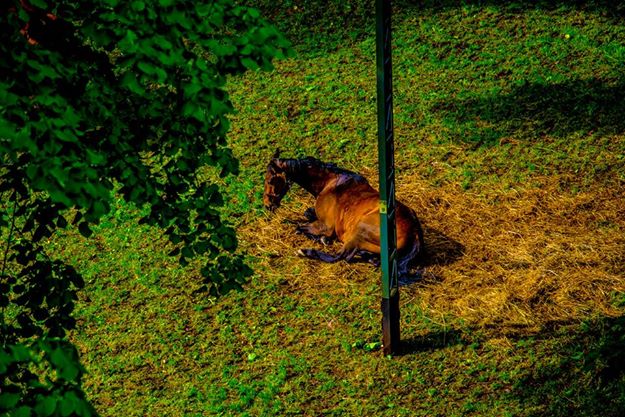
(510, 145)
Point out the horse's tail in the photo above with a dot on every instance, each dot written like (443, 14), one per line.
(415, 253)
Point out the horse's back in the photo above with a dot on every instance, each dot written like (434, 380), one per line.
(350, 205)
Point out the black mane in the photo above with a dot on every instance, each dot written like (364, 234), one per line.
(312, 174)
(312, 162)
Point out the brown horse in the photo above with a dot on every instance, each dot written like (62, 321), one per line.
(346, 208)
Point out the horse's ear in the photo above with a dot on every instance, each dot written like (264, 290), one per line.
(276, 154)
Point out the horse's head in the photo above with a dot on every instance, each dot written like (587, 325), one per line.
(276, 184)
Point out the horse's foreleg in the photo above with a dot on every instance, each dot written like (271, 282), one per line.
(354, 255)
(347, 252)
(326, 257)
(317, 231)
(318, 255)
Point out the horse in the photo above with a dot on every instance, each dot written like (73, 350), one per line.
(346, 209)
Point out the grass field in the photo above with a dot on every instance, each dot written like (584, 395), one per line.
(510, 142)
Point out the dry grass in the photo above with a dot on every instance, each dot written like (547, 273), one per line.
(504, 259)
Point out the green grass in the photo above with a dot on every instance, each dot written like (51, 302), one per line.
(494, 96)
(467, 80)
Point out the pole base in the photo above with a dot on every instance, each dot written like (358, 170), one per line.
(390, 324)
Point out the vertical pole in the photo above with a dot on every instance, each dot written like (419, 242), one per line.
(386, 168)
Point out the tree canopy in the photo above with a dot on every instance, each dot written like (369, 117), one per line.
(105, 98)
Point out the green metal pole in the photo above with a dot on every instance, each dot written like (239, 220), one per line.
(386, 168)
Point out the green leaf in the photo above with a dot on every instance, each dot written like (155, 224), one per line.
(191, 109)
(187, 252)
(64, 364)
(249, 64)
(20, 353)
(45, 406)
(178, 17)
(32, 171)
(68, 403)
(66, 135)
(138, 6)
(5, 361)
(8, 400)
(22, 411)
(129, 81)
(58, 196)
(71, 118)
(253, 13)
(95, 158)
(42, 4)
(83, 408)
(59, 174)
(129, 43)
(372, 346)
(191, 89)
(147, 67)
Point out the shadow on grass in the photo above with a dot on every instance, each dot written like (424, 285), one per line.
(432, 341)
(585, 377)
(609, 8)
(588, 106)
(440, 249)
(576, 370)
(321, 26)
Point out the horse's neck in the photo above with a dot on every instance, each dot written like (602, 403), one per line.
(312, 180)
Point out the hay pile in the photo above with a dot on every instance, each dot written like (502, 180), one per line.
(507, 259)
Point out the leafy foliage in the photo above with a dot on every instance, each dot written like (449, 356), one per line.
(100, 98)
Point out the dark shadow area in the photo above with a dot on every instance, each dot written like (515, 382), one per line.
(440, 249)
(614, 9)
(517, 332)
(587, 106)
(432, 341)
(317, 26)
(586, 376)
(565, 369)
